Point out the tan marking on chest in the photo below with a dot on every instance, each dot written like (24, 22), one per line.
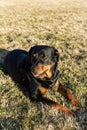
(43, 90)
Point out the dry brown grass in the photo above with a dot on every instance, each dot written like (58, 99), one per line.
(60, 23)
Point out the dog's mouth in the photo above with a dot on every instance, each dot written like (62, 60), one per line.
(39, 75)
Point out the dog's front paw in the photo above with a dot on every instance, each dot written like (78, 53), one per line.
(76, 103)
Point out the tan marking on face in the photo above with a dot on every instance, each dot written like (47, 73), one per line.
(40, 69)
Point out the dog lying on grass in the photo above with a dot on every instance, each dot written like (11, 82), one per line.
(38, 69)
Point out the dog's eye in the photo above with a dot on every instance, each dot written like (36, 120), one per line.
(34, 55)
(42, 56)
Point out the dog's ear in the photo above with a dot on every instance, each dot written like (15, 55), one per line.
(56, 54)
(30, 51)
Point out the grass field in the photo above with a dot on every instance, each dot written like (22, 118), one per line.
(59, 23)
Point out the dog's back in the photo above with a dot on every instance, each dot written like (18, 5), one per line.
(13, 62)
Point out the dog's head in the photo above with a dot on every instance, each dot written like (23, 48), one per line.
(43, 61)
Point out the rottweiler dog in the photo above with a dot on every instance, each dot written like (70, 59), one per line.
(38, 69)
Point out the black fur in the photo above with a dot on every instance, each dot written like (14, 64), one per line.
(19, 65)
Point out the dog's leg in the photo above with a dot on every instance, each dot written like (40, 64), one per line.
(66, 93)
(55, 105)
(52, 103)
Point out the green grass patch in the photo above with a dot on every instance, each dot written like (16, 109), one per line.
(61, 24)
